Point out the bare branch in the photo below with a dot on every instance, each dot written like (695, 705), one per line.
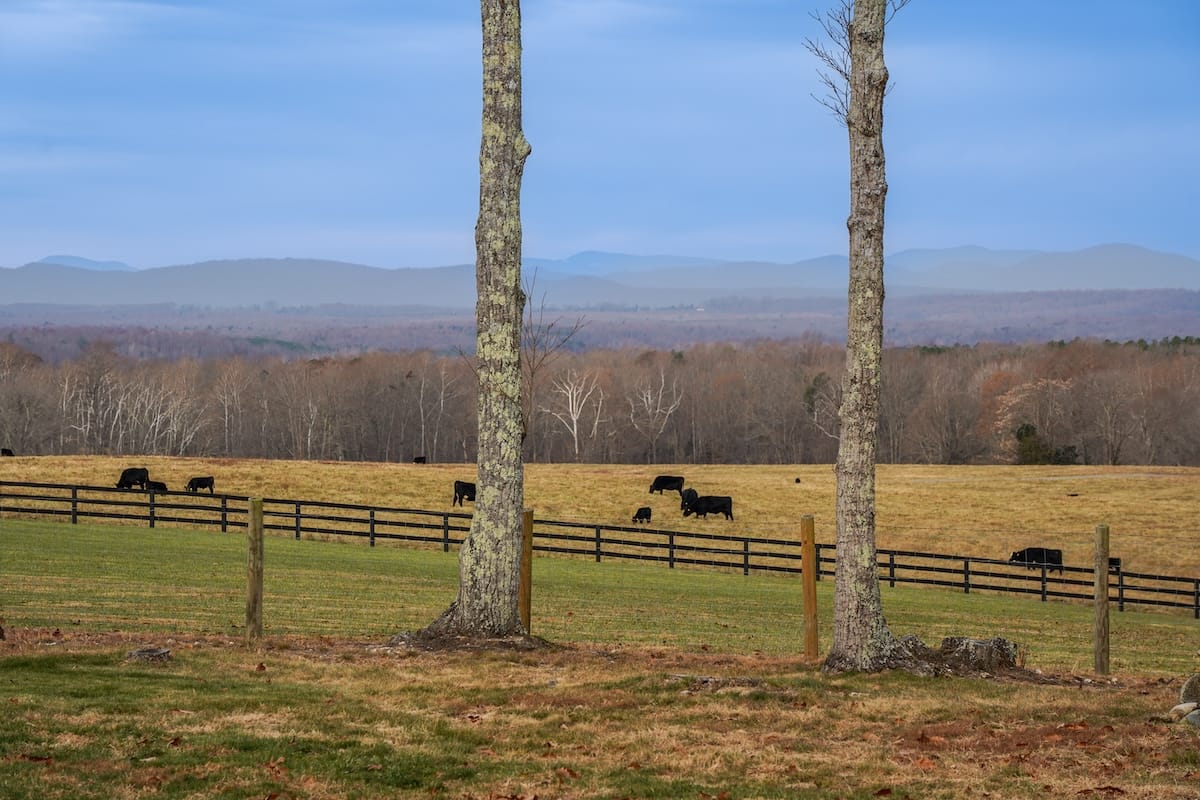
(835, 56)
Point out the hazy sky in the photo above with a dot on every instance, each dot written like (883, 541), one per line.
(162, 132)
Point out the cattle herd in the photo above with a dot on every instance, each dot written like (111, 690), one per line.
(690, 502)
(140, 477)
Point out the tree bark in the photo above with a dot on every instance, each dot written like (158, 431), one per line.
(862, 640)
(490, 558)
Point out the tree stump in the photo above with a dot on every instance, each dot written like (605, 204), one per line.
(979, 655)
(149, 654)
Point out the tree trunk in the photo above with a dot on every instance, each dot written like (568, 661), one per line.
(861, 638)
(490, 558)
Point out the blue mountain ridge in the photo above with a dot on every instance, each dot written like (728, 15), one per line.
(593, 278)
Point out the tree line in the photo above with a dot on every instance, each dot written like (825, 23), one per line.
(772, 402)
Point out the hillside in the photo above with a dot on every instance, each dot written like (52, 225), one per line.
(959, 295)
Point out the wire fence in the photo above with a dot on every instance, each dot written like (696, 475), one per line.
(446, 530)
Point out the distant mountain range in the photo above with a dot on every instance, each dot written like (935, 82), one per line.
(590, 279)
(87, 263)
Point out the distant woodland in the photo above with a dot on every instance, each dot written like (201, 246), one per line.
(150, 391)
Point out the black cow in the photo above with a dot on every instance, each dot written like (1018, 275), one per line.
(418, 459)
(642, 514)
(686, 498)
(200, 482)
(708, 504)
(1034, 557)
(155, 486)
(4, 451)
(1114, 564)
(134, 476)
(672, 483)
(463, 491)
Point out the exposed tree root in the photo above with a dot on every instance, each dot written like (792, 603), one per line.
(957, 655)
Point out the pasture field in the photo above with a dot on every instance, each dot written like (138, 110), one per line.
(980, 511)
(654, 683)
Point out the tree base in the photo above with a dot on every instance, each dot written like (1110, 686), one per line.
(447, 632)
(957, 655)
(431, 640)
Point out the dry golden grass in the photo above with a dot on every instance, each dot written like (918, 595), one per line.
(984, 511)
(580, 722)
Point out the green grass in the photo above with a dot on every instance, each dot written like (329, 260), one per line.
(161, 581)
(670, 684)
(78, 728)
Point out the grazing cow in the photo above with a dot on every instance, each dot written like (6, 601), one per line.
(134, 476)
(686, 498)
(200, 482)
(1114, 564)
(708, 504)
(418, 459)
(463, 491)
(4, 451)
(155, 486)
(673, 483)
(1034, 557)
(642, 514)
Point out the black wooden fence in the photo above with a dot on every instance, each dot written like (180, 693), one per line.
(446, 529)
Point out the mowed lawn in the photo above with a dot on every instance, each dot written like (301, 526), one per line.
(655, 682)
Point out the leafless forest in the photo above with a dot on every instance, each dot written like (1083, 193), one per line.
(764, 401)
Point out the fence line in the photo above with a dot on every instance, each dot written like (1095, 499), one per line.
(445, 530)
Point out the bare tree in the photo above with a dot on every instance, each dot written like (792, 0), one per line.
(433, 399)
(650, 409)
(575, 391)
(861, 637)
(542, 342)
(229, 389)
(490, 559)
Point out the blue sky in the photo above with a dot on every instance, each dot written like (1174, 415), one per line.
(162, 132)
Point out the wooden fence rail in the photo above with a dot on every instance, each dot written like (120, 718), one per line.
(446, 530)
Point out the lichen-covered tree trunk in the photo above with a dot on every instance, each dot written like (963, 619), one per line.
(861, 638)
(490, 558)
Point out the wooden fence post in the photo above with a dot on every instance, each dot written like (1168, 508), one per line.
(809, 570)
(1101, 643)
(254, 572)
(525, 593)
